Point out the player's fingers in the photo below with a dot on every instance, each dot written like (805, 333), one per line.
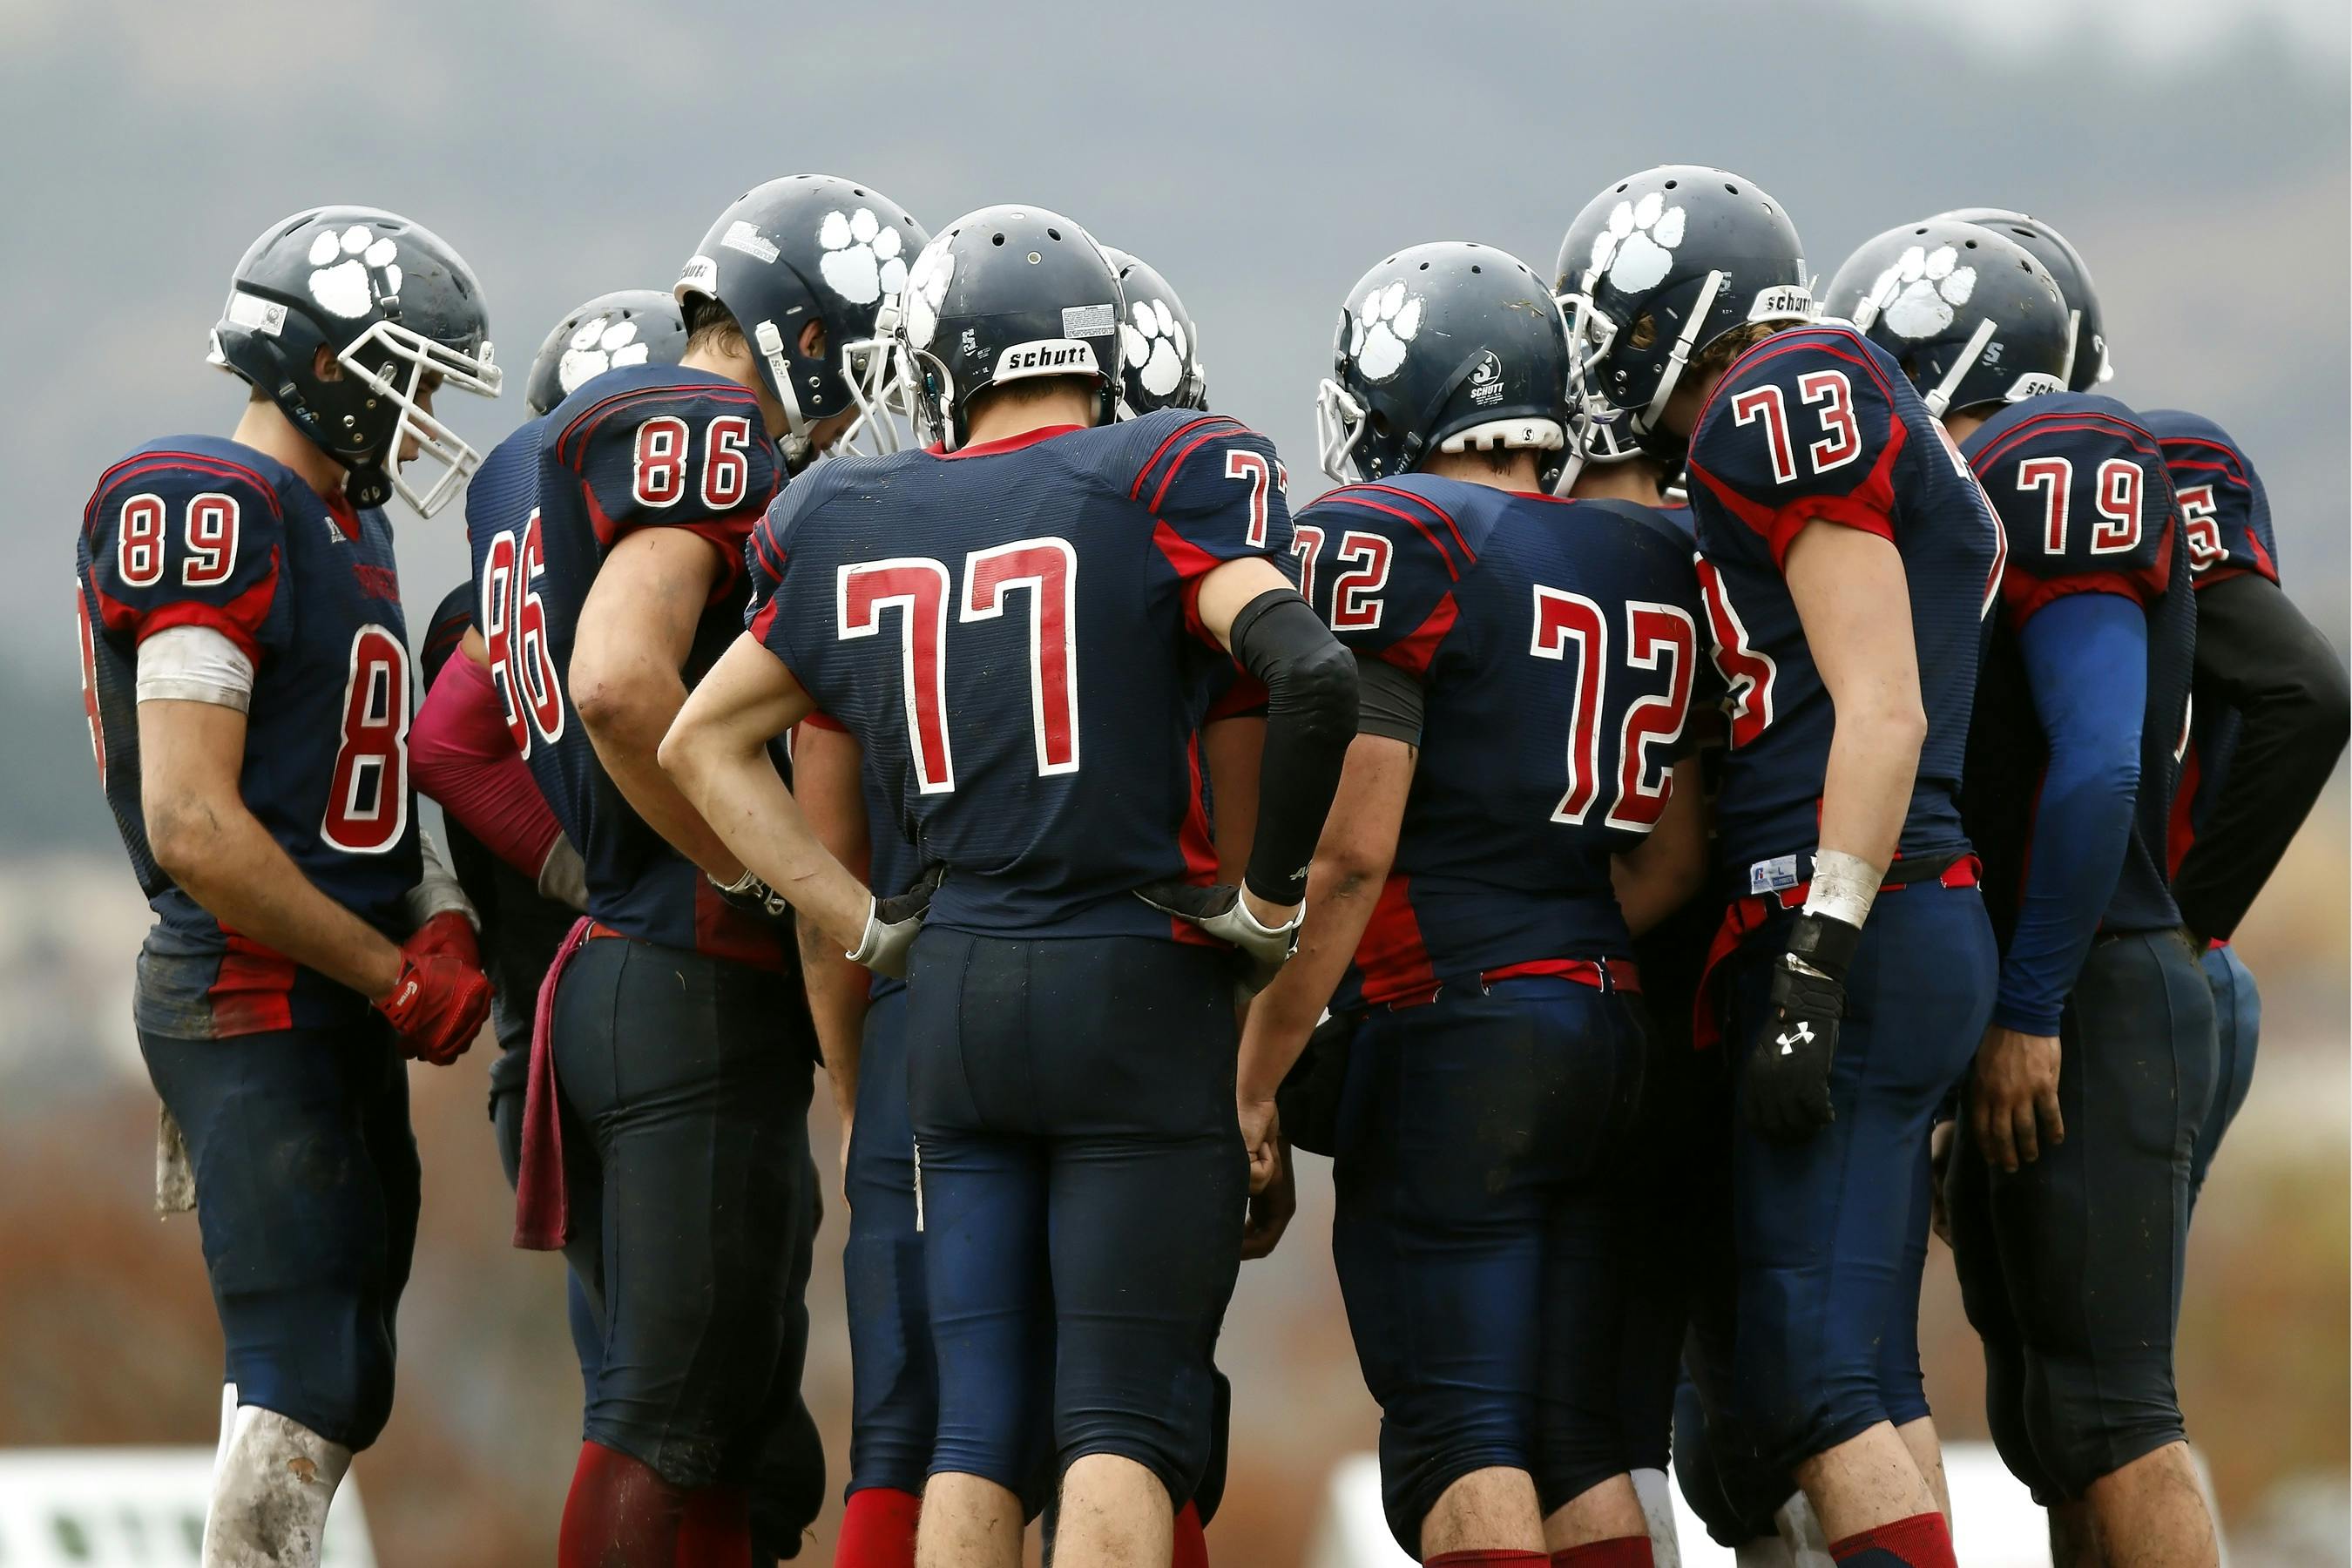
(1994, 1137)
(2053, 1125)
(2028, 1140)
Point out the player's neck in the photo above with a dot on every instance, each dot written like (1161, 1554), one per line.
(734, 363)
(1959, 426)
(266, 429)
(1476, 468)
(1000, 420)
(1635, 481)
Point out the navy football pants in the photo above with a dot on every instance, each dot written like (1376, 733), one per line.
(307, 1198)
(1832, 1232)
(2237, 1032)
(686, 1083)
(1476, 1239)
(2071, 1268)
(1073, 1110)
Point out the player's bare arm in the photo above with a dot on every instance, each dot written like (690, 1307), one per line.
(1855, 604)
(717, 756)
(637, 628)
(1232, 748)
(191, 754)
(1666, 869)
(825, 764)
(1343, 885)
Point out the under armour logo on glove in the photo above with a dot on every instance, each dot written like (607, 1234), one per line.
(1804, 1034)
(1786, 1093)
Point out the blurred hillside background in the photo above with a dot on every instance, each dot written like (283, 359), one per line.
(1261, 156)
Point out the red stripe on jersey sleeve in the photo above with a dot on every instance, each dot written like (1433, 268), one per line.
(761, 621)
(1393, 957)
(1869, 507)
(1445, 556)
(2023, 594)
(1135, 491)
(1191, 564)
(825, 721)
(1415, 651)
(1469, 558)
(239, 620)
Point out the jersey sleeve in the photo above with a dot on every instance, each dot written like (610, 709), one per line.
(782, 601)
(181, 540)
(1803, 430)
(1380, 564)
(1215, 490)
(2222, 503)
(2087, 506)
(693, 458)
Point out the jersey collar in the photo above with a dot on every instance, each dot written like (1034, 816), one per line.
(1010, 443)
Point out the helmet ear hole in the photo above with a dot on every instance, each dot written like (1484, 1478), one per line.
(1643, 334)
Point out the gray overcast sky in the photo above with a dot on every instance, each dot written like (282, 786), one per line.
(1260, 155)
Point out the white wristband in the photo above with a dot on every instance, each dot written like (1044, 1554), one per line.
(1843, 887)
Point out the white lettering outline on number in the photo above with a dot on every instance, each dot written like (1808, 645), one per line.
(1356, 605)
(1644, 650)
(1581, 621)
(933, 776)
(1241, 463)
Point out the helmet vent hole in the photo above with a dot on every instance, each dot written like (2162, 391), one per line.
(998, 240)
(1672, 183)
(856, 191)
(1621, 186)
(1053, 234)
(1424, 267)
(1476, 268)
(1732, 188)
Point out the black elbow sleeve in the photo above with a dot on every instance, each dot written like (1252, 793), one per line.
(1310, 716)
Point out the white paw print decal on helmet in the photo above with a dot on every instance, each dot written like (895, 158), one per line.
(861, 261)
(1386, 323)
(352, 270)
(926, 285)
(1154, 341)
(600, 343)
(1637, 247)
(1918, 296)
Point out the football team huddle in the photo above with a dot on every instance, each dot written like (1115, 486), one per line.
(1732, 779)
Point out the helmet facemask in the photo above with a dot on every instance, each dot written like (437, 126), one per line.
(390, 345)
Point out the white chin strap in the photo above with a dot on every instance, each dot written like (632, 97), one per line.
(1941, 397)
(436, 442)
(271, 1488)
(1340, 422)
(1679, 355)
(770, 343)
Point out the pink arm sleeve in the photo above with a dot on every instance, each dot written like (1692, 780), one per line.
(464, 758)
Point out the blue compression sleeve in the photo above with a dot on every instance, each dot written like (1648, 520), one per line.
(2086, 660)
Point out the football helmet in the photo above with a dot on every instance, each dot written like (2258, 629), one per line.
(2072, 275)
(1659, 266)
(632, 326)
(1447, 347)
(1160, 348)
(1969, 314)
(1004, 294)
(809, 247)
(397, 307)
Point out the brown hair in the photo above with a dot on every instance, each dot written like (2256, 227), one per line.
(711, 326)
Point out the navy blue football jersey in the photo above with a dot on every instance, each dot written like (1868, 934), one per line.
(644, 446)
(1818, 424)
(2088, 503)
(199, 531)
(2224, 511)
(1558, 645)
(1011, 632)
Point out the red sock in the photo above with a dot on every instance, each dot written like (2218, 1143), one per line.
(878, 1529)
(1488, 1560)
(1617, 1551)
(716, 1530)
(1922, 1541)
(1192, 1546)
(620, 1514)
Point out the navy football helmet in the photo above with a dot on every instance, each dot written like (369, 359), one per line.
(1004, 294)
(631, 326)
(401, 313)
(1160, 348)
(1447, 347)
(2066, 265)
(808, 247)
(1970, 315)
(1657, 268)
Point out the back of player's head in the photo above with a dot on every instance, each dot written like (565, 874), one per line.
(629, 326)
(2073, 274)
(1660, 267)
(346, 318)
(1001, 296)
(1450, 347)
(807, 249)
(1160, 348)
(1970, 315)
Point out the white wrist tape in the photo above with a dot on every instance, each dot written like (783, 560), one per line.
(1843, 887)
(437, 891)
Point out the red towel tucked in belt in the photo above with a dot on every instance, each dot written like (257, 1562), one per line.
(542, 1216)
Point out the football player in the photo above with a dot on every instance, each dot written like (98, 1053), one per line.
(1846, 563)
(1069, 1043)
(675, 1026)
(1526, 667)
(246, 671)
(858, 1017)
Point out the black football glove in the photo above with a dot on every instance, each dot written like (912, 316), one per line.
(893, 924)
(1788, 1087)
(1219, 911)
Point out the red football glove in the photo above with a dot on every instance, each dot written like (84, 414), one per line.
(449, 932)
(441, 998)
